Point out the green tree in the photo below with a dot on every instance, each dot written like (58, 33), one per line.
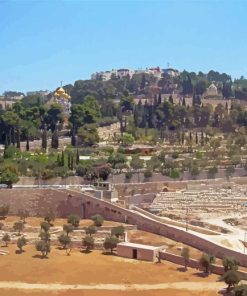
(74, 220)
(185, 253)
(128, 139)
(212, 172)
(231, 278)
(91, 230)
(137, 164)
(6, 239)
(230, 263)
(117, 231)
(68, 228)
(64, 240)
(88, 135)
(45, 226)
(98, 220)
(111, 243)
(43, 247)
(18, 226)
(21, 242)
(206, 261)
(8, 175)
(230, 170)
(55, 140)
(23, 214)
(50, 217)
(240, 290)
(88, 242)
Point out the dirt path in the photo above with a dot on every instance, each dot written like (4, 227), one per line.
(192, 286)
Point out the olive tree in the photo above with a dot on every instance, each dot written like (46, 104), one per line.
(18, 226)
(74, 220)
(88, 242)
(43, 247)
(185, 253)
(6, 239)
(206, 261)
(111, 243)
(98, 220)
(64, 240)
(21, 242)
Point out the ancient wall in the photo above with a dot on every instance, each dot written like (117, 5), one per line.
(65, 202)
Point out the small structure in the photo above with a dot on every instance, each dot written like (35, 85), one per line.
(138, 251)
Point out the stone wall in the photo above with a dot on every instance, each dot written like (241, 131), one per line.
(65, 202)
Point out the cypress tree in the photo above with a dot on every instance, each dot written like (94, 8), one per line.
(77, 157)
(44, 138)
(27, 143)
(72, 162)
(159, 99)
(18, 144)
(69, 160)
(73, 138)
(183, 102)
(171, 99)
(62, 159)
(54, 140)
(58, 160)
(196, 138)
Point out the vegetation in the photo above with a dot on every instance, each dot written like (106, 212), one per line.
(206, 261)
(97, 220)
(231, 278)
(43, 247)
(64, 240)
(6, 239)
(18, 226)
(74, 220)
(185, 253)
(88, 242)
(21, 242)
(110, 243)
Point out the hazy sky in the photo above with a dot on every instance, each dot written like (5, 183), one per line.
(43, 42)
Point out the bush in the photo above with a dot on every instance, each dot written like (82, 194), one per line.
(117, 231)
(4, 210)
(18, 226)
(90, 230)
(45, 226)
(50, 217)
(68, 228)
(88, 242)
(74, 220)
(6, 239)
(64, 240)
(43, 247)
(128, 175)
(148, 174)
(111, 243)
(98, 220)
(206, 261)
(175, 155)
(21, 242)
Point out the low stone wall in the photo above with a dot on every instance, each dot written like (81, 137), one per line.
(217, 269)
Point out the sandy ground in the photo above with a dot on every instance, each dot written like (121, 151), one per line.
(35, 222)
(97, 269)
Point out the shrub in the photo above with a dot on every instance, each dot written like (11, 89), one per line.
(21, 242)
(98, 220)
(64, 240)
(74, 220)
(90, 230)
(88, 242)
(43, 247)
(111, 243)
(6, 239)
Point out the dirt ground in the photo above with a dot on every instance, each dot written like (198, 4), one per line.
(94, 269)
(35, 222)
(167, 292)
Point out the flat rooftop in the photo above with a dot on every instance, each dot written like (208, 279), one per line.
(140, 246)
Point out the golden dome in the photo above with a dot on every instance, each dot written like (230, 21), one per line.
(60, 91)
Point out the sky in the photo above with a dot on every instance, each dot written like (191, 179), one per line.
(45, 42)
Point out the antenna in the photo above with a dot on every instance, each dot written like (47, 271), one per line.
(61, 82)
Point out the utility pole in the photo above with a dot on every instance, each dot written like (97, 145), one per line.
(187, 218)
